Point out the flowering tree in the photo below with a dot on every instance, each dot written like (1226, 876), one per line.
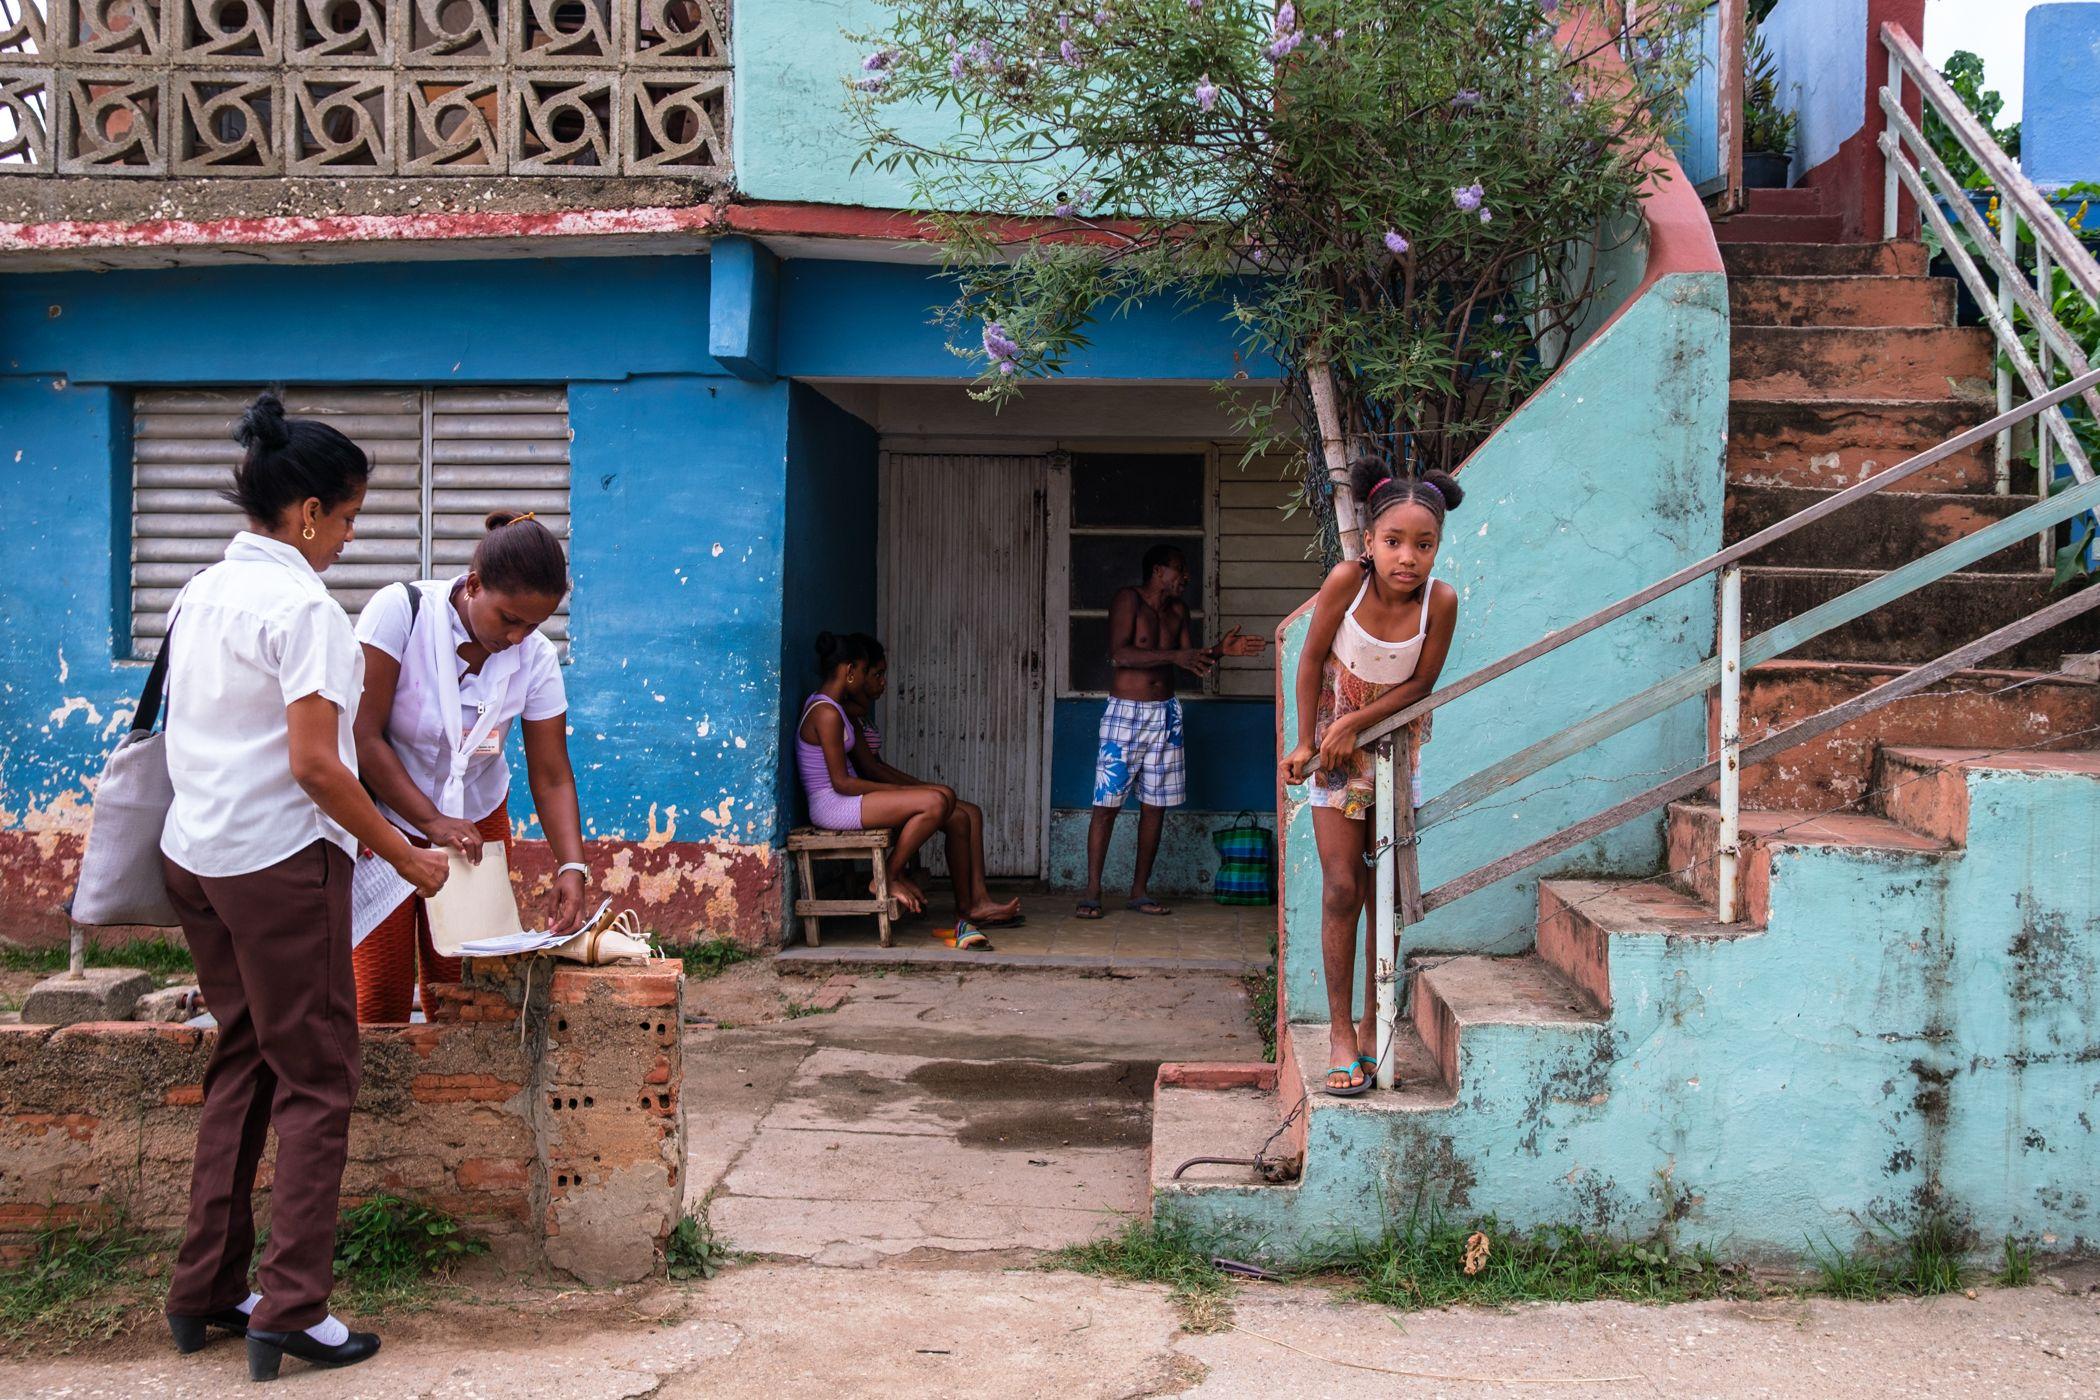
(1385, 191)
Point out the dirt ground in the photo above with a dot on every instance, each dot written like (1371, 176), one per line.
(890, 1172)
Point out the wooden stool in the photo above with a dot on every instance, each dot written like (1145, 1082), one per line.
(809, 845)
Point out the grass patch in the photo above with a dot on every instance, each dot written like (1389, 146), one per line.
(76, 1286)
(1429, 1261)
(694, 1250)
(159, 956)
(796, 1010)
(1153, 1251)
(2017, 1270)
(389, 1253)
(1922, 1264)
(713, 957)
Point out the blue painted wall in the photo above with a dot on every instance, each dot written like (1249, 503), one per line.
(828, 307)
(1231, 753)
(678, 502)
(2060, 112)
(1819, 50)
(829, 583)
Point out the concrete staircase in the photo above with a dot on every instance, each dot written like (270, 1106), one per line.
(1846, 361)
(1893, 1007)
(1889, 1030)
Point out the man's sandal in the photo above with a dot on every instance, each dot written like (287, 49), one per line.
(1088, 909)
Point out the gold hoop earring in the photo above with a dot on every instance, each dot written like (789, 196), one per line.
(307, 533)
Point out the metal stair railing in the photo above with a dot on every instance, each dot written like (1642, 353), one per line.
(1398, 899)
(1911, 164)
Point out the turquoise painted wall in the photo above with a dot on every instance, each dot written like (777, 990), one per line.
(1913, 1033)
(677, 495)
(1609, 478)
(790, 132)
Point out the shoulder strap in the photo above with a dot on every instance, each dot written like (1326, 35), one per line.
(415, 601)
(148, 710)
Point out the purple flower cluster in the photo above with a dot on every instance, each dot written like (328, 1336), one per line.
(1395, 244)
(1466, 97)
(1206, 93)
(1286, 36)
(1068, 51)
(1468, 197)
(1001, 348)
(1064, 22)
(879, 61)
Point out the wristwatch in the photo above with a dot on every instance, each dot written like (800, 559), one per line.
(576, 865)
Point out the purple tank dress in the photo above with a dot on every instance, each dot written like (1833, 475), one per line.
(828, 807)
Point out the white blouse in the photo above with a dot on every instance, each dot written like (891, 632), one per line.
(252, 634)
(523, 681)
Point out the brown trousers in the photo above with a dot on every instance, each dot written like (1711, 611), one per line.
(273, 958)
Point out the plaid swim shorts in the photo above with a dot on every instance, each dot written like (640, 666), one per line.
(1141, 746)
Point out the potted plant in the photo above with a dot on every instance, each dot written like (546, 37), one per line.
(1768, 129)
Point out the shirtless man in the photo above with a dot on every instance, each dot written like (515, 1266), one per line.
(1141, 745)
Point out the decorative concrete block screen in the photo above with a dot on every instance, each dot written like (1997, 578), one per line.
(566, 1150)
(254, 88)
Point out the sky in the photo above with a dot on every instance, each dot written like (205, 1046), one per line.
(1994, 30)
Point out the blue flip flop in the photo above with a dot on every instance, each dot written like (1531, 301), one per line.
(1347, 1091)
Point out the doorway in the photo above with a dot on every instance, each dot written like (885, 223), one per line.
(961, 575)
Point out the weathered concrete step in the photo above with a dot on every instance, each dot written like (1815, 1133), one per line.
(1840, 301)
(1579, 918)
(1814, 362)
(1998, 709)
(1926, 623)
(1927, 789)
(1835, 443)
(1418, 1086)
(1882, 531)
(1779, 228)
(1905, 258)
(1455, 993)
(1191, 1122)
(1806, 199)
(1693, 841)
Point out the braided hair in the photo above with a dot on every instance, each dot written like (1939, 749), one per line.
(1379, 491)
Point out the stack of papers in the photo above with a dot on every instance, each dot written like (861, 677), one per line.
(507, 945)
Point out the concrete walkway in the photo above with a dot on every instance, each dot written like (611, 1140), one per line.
(787, 1330)
(945, 1113)
(894, 1165)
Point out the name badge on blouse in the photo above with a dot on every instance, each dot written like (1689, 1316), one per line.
(491, 743)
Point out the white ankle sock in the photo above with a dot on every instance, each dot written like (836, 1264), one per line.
(329, 1331)
(248, 1306)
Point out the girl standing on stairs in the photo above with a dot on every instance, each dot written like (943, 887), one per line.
(1380, 631)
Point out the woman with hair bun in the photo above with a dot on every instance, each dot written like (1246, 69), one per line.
(263, 678)
(1380, 631)
(449, 663)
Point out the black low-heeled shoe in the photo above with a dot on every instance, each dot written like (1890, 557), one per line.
(194, 1333)
(267, 1350)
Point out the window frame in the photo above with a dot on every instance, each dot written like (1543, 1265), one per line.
(1061, 612)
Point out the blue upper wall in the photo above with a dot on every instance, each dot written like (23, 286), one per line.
(678, 501)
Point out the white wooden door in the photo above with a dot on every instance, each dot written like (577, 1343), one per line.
(964, 543)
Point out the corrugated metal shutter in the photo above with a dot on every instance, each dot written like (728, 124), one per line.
(962, 561)
(497, 449)
(183, 455)
(441, 460)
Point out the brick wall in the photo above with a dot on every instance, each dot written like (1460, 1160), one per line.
(567, 1150)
